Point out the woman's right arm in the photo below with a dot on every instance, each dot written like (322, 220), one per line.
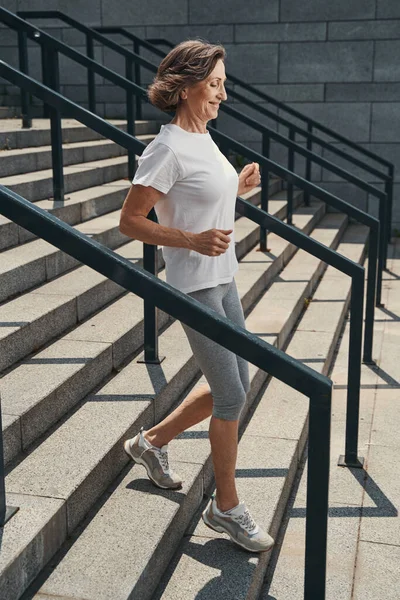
(135, 224)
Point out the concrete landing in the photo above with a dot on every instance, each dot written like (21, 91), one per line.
(364, 521)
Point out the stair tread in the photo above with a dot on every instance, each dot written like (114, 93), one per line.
(84, 195)
(11, 260)
(11, 125)
(66, 146)
(88, 199)
(68, 170)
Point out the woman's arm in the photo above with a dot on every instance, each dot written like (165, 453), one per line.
(135, 224)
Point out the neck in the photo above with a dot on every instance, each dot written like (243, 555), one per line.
(189, 122)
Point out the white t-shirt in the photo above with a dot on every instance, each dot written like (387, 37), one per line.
(201, 187)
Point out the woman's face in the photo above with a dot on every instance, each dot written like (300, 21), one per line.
(203, 99)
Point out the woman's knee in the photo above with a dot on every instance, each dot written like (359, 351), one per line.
(230, 408)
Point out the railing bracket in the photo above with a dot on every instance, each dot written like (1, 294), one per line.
(142, 359)
(354, 464)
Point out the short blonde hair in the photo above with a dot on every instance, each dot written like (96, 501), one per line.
(189, 62)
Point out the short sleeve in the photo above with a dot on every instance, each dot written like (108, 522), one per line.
(158, 167)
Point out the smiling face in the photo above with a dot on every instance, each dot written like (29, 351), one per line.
(200, 102)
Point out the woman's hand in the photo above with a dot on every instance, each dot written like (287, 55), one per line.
(249, 178)
(212, 242)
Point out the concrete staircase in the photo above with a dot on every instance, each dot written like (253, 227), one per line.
(90, 524)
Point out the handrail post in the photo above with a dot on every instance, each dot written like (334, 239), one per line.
(317, 495)
(91, 74)
(350, 458)
(371, 286)
(382, 245)
(308, 162)
(55, 128)
(45, 77)
(130, 118)
(264, 190)
(6, 512)
(150, 263)
(24, 67)
(389, 194)
(390, 202)
(292, 138)
(138, 79)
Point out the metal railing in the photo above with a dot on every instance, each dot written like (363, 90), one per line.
(384, 198)
(229, 335)
(287, 232)
(53, 46)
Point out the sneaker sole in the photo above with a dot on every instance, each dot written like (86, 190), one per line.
(140, 461)
(222, 530)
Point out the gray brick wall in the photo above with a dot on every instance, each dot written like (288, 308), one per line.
(337, 62)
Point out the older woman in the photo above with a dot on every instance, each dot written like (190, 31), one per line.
(193, 188)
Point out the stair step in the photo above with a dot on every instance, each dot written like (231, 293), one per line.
(32, 263)
(79, 467)
(59, 305)
(77, 207)
(13, 136)
(19, 160)
(38, 185)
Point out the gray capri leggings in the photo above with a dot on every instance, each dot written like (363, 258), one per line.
(227, 374)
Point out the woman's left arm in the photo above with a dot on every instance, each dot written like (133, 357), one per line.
(249, 178)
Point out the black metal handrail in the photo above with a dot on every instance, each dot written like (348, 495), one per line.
(267, 164)
(231, 336)
(289, 233)
(384, 198)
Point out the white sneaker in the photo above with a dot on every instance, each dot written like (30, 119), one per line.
(155, 461)
(239, 525)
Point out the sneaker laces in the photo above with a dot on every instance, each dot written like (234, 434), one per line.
(162, 456)
(245, 520)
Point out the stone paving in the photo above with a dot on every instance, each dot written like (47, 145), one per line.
(364, 522)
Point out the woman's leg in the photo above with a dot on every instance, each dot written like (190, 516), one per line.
(227, 376)
(196, 407)
(224, 444)
(199, 403)
(234, 311)
(224, 434)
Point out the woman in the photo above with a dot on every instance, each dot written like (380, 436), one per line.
(193, 188)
